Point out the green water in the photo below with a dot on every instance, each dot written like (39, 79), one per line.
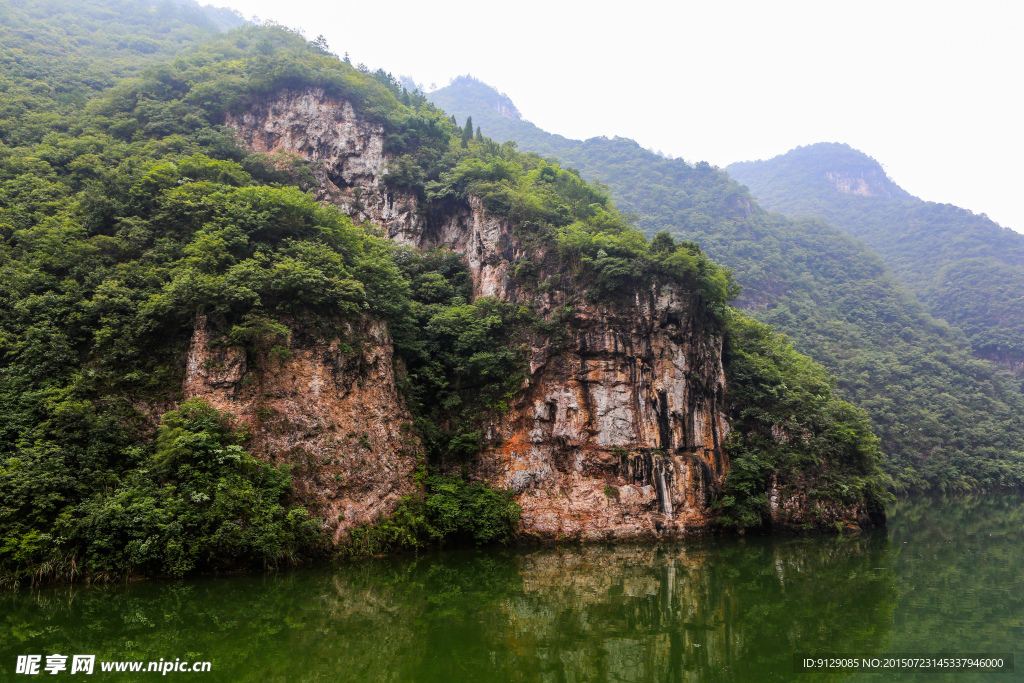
(946, 576)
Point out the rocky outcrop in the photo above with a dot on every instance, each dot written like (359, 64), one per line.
(344, 149)
(865, 184)
(617, 432)
(328, 407)
(791, 508)
(346, 154)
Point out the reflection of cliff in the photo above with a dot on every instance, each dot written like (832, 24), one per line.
(717, 610)
(706, 612)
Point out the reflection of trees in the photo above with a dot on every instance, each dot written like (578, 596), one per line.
(960, 574)
(616, 613)
(720, 610)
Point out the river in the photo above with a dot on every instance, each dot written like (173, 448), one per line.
(945, 577)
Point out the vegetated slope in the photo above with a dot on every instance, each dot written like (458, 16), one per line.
(644, 184)
(123, 216)
(57, 54)
(946, 419)
(132, 214)
(965, 267)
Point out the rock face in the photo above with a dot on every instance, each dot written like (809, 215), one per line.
(617, 432)
(790, 508)
(865, 184)
(347, 158)
(345, 150)
(328, 407)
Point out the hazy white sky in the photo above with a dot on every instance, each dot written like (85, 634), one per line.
(933, 90)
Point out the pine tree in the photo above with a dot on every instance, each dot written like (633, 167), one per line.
(467, 132)
(479, 135)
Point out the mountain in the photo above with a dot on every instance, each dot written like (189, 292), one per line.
(57, 55)
(261, 306)
(966, 268)
(946, 419)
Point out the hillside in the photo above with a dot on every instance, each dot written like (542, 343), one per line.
(262, 306)
(55, 55)
(946, 419)
(966, 268)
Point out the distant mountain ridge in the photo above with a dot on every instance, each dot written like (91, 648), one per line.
(655, 206)
(964, 266)
(842, 168)
(480, 97)
(946, 419)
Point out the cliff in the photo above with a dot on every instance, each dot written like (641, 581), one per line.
(207, 367)
(345, 149)
(618, 431)
(827, 291)
(328, 407)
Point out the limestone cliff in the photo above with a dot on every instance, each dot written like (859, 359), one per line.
(618, 429)
(346, 152)
(328, 407)
(618, 433)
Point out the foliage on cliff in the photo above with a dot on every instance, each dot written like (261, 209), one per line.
(199, 502)
(462, 356)
(946, 420)
(105, 276)
(965, 267)
(451, 511)
(597, 247)
(104, 285)
(788, 425)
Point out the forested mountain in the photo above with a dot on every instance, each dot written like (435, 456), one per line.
(966, 268)
(56, 55)
(946, 419)
(144, 249)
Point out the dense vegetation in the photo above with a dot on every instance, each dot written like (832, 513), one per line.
(56, 55)
(122, 219)
(788, 425)
(126, 210)
(945, 420)
(966, 268)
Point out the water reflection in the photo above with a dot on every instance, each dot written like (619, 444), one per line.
(720, 611)
(717, 610)
(960, 578)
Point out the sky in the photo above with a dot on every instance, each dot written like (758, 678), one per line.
(932, 90)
